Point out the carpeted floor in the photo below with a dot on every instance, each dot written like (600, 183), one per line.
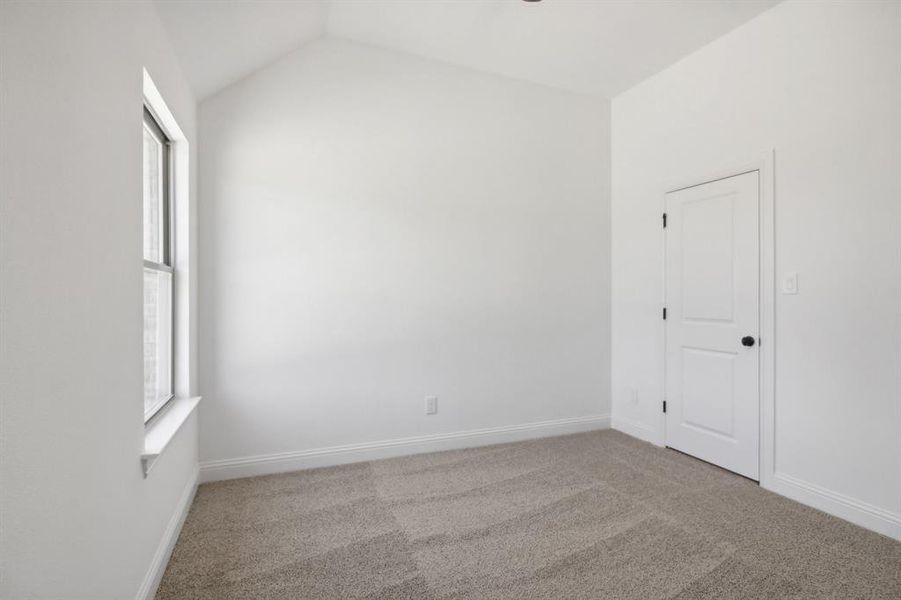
(596, 516)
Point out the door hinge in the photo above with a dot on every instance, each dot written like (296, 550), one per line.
(664, 313)
(664, 406)
(664, 220)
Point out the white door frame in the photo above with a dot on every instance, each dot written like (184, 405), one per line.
(764, 165)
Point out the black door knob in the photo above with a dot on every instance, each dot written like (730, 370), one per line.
(747, 341)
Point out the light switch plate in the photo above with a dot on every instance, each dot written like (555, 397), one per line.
(790, 283)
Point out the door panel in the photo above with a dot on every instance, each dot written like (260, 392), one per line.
(707, 275)
(712, 290)
(708, 381)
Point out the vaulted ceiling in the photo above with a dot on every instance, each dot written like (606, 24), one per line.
(598, 47)
(219, 42)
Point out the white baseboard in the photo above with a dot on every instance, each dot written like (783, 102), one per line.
(336, 455)
(836, 504)
(841, 506)
(161, 558)
(637, 430)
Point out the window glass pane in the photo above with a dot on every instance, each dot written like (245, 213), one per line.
(153, 198)
(157, 339)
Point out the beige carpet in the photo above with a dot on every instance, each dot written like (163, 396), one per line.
(595, 515)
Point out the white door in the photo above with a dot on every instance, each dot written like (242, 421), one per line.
(712, 322)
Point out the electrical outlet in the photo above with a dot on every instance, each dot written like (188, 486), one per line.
(431, 405)
(633, 395)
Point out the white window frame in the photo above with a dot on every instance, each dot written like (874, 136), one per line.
(167, 249)
(163, 427)
(181, 259)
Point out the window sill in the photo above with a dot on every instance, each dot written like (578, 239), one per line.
(163, 429)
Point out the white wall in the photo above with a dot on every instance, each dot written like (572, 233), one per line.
(378, 228)
(79, 521)
(820, 82)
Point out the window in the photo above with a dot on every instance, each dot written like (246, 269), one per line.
(158, 272)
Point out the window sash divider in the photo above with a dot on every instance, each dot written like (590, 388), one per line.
(155, 266)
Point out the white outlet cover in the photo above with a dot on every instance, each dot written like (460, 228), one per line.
(431, 405)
